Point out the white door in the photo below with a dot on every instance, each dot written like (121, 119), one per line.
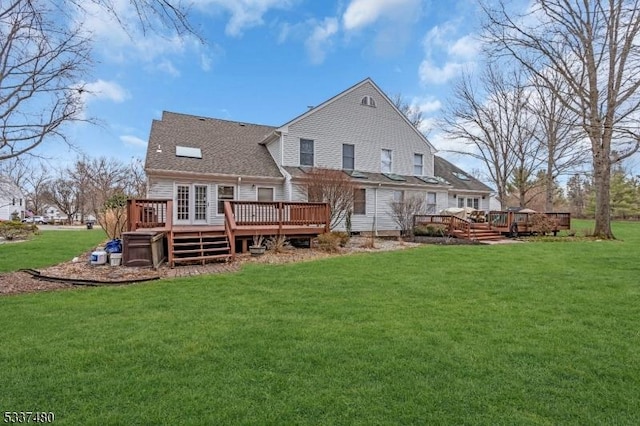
(191, 204)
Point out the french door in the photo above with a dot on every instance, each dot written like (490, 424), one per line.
(191, 206)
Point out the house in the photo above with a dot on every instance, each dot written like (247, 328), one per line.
(200, 162)
(12, 200)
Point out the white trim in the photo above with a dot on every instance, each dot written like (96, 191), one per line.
(235, 195)
(272, 188)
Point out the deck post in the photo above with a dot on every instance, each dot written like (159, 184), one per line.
(280, 217)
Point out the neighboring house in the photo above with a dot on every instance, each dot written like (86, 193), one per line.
(200, 162)
(12, 199)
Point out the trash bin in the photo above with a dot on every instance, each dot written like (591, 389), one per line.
(89, 225)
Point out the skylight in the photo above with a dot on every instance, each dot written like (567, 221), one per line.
(356, 174)
(395, 177)
(460, 176)
(189, 152)
(429, 179)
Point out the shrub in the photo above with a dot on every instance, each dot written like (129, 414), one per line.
(278, 244)
(328, 242)
(343, 237)
(12, 230)
(430, 230)
(542, 224)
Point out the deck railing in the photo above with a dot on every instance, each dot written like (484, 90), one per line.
(149, 213)
(504, 220)
(279, 213)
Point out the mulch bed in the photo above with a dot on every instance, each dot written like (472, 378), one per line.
(23, 282)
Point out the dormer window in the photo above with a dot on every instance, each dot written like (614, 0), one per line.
(368, 101)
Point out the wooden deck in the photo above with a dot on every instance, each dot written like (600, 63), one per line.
(497, 224)
(243, 220)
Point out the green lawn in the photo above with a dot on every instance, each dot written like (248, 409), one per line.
(48, 248)
(532, 333)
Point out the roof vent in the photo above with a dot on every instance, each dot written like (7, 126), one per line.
(202, 119)
(242, 124)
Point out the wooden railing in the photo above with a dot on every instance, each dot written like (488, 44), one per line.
(148, 213)
(279, 213)
(504, 220)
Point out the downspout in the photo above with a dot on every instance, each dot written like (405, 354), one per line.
(375, 210)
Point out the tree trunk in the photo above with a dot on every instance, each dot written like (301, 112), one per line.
(602, 183)
(549, 186)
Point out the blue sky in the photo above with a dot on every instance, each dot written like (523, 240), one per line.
(265, 61)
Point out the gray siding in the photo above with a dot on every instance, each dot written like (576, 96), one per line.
(370, 129)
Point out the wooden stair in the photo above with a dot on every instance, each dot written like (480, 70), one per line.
(479, 232)
(198, 246)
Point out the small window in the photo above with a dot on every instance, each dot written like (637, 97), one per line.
(460, 202)
(398, 196)
(359, 201)
(265, 194)
(418, 164)
(431, 202)
(368, 101)
(386, 161)
(306, 152)
(348, 156)
(225, 193)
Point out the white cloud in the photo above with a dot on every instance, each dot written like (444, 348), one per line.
(362, 13)
(431, 73)
(428, 105)
(167, 66)
(447, 54)
(133, 140)
(245, 14)
(101, 89)
(320, 39)
(467, 47)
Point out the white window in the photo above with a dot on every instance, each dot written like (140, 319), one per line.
(418, 165)
(386, 158)
(265, 194)
(225, 193)
(398, 196)
(348, 156)
(431, 202)
(306, 152)
(359, 201)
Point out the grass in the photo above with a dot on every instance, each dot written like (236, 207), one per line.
(48, 248)
(535, 333)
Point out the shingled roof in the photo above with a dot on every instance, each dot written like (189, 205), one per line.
(228, 147)
(457, 177)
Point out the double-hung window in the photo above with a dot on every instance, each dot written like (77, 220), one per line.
(306, 152)
(225, 193)
(360, 201)
(386, 161)
(348, 156)
(418, 165)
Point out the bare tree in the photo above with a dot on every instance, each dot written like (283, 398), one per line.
(97, 180)
(403, 212)
(45, 54)
(559, 136)
(412, 112)
(152, 15)
(592, 45)
(333, 187)
(62, 193)
(41, 63)
(31, 176)
(491, 117)
(135, 184)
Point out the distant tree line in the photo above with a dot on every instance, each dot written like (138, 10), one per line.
(78, 190)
